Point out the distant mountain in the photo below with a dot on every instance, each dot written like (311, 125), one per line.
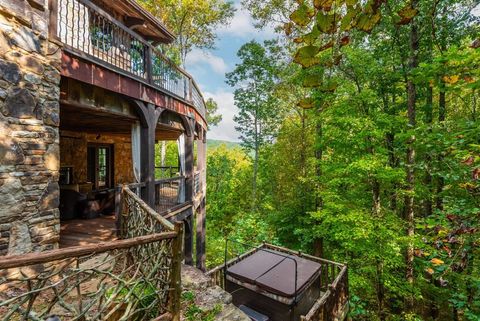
(212, 143)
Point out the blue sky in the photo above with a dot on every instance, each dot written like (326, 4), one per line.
(208, 67)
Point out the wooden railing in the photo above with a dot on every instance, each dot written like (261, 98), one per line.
(136, 278)
(91, 32)
(332, 304)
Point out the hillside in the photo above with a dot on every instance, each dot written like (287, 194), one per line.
(212, 143)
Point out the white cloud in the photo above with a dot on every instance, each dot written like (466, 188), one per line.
(242, 25)
(197, 56)
(226, 107)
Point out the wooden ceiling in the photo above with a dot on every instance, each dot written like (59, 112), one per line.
(81, 118)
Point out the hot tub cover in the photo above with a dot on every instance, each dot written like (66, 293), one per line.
(274, 272)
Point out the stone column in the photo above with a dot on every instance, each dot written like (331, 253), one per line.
(29, 120)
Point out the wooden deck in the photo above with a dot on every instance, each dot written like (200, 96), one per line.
(85, 232)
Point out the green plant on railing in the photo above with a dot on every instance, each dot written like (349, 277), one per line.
(142, 294)
(193, 312)
(137, 55)
(101, 37)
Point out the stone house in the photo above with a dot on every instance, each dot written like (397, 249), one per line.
(86, 99)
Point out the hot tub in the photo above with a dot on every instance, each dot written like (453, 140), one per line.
(278, 285)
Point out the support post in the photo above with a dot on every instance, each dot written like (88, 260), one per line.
(188, 241)
(147, 139)
(175, 279)
(200, 235)
(189, 170)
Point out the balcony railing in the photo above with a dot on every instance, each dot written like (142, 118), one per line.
(91, 32)
(169, 193)
(199, 180)
(333, 302)
(135, 278)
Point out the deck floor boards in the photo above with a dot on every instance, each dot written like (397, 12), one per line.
(85, 232)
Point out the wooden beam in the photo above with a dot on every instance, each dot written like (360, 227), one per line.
(12, 261)
(134, 22)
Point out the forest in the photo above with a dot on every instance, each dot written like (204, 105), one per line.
(360, 143)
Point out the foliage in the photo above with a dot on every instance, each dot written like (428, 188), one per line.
(194, 22)
(213, 119)
(334, 178)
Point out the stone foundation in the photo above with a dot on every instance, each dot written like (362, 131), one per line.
(29, 137)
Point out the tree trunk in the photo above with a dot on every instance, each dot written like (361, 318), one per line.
(318, 243)
(410, 157)
(255, 165)
(442, 109)
(428, 203)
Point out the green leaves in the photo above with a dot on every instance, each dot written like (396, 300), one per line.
(323, 4)
(366, 22)
(406, 14)
(303, 15)
(349, 21)
(307, 56)
(326, 23)
(306, 103)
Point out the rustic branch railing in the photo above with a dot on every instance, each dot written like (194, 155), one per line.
(137, 278)
(332, 305)
(137, 218)
(169, 193)
(88, 30)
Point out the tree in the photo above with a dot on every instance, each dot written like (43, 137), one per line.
(254, 80)
(194, 22)
(213, 119)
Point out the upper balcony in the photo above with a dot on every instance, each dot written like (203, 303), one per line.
(123, 41)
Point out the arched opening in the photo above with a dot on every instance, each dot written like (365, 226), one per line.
(95, 157)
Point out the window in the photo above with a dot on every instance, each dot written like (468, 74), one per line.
(100, 166)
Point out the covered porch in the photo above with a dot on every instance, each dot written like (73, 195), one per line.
(101, 149)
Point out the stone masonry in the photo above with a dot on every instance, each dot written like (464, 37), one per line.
(29, 120)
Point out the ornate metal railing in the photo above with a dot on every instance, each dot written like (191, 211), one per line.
(169, 193)
(332, 304)
(89, 30)
(136, 278)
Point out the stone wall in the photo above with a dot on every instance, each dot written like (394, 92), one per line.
(29, 119)
(73, 152)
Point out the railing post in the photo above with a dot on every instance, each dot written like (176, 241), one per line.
(53, 18)
(149, 65)
(190, 90)
(176, 273)
(118, 210)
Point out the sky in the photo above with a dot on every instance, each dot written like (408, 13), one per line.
(208, 67)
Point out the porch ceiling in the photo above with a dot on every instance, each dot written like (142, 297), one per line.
(82, 118)
(94, 120)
